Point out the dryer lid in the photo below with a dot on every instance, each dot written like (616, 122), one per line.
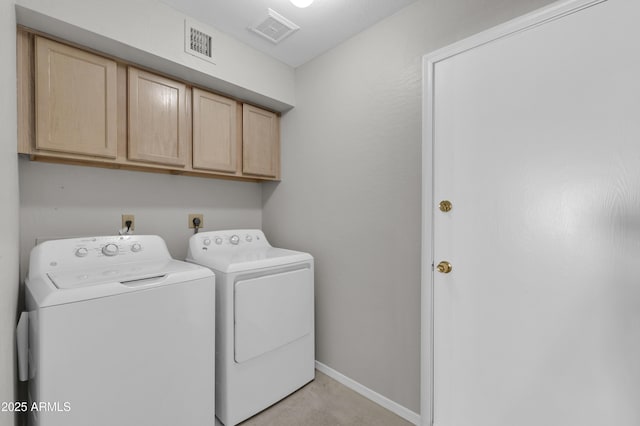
(247, 259)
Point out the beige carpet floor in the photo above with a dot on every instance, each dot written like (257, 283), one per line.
(325, 402)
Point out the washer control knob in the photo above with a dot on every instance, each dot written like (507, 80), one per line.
(136, 247)
(218, 240)
(82, 252)
(110, 249)
(234, 240)
(206, 241)
(248, 238)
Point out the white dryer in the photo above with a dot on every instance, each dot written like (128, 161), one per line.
(119, 333)
(264, 320)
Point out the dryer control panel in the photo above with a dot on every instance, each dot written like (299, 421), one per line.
(232, 239)
(239, 250)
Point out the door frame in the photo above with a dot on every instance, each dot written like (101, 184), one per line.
(551, 12)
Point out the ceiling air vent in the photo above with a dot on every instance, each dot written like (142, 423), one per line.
(198, 41)
(274, 27)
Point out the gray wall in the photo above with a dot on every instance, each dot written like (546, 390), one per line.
(8, 207)
(60, 201)
(350, 190)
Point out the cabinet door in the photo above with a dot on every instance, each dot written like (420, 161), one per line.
(260, 142)
(157, 119)
(215, 142)
(75, 95)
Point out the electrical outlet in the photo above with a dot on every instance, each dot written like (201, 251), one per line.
(193, 216)
(125, 218)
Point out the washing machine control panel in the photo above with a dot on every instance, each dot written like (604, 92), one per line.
(109, 249)
(56, 255)
(108, 246)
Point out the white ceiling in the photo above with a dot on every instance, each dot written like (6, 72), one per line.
(323, 25)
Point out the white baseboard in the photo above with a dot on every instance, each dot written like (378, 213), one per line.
(385, 402)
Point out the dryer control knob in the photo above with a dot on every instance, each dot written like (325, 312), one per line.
(218, 240)
(82, 252)
(110, 250)
(136, 247)
(248, 238)
(234, 240)
(206, 241)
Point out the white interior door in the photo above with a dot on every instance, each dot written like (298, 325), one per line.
(537, 146)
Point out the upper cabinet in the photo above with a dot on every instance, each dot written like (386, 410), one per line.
(216, 142)
(75, 99)
(260, 142)
(80, 107)
(157, 119)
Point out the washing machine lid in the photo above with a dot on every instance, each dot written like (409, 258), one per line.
(126, 274)
(239, 250)
(75, 269)
(69, 286)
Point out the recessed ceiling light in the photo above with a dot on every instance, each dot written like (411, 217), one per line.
(301, 3)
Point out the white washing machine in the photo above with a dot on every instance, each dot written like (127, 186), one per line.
(264, 318)
(119, 333)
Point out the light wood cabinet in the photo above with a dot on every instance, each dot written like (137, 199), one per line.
(260, 142)
(75, 98)
(78, 107)
(216, 141)
(157, 119)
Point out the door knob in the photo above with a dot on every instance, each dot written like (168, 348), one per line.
(445, 206)
(444, 267)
